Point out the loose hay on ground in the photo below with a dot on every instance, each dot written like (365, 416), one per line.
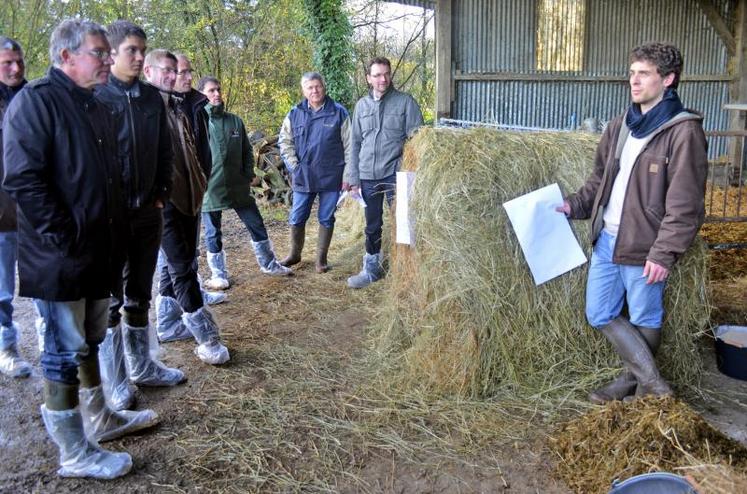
(463, 315)
(653, 434)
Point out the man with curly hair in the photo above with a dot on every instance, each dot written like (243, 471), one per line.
(645, 198)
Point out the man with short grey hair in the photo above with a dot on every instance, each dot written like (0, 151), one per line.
(12, 71)
(315, 145)
(59, 144)
(382, 122)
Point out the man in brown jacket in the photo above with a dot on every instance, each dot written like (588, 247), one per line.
(645, 198)
(181, 218)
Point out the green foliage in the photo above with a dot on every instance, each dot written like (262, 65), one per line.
(255, 48)
(331, 32)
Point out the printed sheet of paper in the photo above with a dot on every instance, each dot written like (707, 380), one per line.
(544, 234)
(405, 221)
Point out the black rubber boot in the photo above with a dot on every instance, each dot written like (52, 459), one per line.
(633, 348)
(297, 237)
(322, 248)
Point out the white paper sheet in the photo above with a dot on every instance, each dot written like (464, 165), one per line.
(356, 196)
(544, 234)
(405, 220)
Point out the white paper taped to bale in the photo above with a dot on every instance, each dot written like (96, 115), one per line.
(545, 236)
(405, 221)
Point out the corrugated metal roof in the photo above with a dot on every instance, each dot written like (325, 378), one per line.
(426, 4)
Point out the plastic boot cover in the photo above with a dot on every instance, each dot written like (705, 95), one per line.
(213, 298)
(219, 273)
(144, 369)
(40, 327)
(169, 325)
(80, 457)
(266, 259)
(11, 364)
(117, 388)
(205, 330)
(104, 424)
(371, 272)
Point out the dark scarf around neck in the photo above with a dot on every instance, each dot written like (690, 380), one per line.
(641, 125)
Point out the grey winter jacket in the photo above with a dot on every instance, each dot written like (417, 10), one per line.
(378, 134)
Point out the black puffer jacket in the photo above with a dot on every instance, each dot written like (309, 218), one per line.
(145, 153)
(59, 149)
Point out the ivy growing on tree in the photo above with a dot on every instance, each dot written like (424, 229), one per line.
(332, 39)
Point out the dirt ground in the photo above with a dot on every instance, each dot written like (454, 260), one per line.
(283, 414)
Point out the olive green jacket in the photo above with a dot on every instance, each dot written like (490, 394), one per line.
(233, 162)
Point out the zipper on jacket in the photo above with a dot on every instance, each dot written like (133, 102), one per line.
(134, 164)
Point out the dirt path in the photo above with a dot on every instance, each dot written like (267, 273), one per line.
(285, 415)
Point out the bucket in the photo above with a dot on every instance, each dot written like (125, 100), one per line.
(653, 483)
(731, 351)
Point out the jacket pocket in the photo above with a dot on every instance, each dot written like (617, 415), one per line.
(652, 177)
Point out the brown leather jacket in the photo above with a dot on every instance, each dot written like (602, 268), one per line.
(189, 183)
(664, 202)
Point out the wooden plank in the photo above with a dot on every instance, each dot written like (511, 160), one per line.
(718, 23)
(444, 88)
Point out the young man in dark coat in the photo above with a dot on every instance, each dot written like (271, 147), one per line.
(145, 162)
(59, 168)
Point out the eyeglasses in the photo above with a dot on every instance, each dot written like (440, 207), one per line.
(184, 72)
(168, 70)
(100, 54)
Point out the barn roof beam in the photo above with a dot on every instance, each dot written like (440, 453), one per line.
(714, 17)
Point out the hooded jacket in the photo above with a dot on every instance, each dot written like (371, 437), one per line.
(664, 203)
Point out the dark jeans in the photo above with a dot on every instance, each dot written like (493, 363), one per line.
(178, 277)
(132, 271)
(72, 330)
(249, 215)
(373, 192)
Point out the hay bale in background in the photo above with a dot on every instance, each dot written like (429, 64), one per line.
(463, 312)
(620, 441)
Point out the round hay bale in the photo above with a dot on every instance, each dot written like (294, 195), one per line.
(463, 314)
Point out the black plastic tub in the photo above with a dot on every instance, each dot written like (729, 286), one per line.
(731, 351)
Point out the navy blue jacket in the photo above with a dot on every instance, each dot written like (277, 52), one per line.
(317, 141)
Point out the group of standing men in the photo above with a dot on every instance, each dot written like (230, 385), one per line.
(111, 174)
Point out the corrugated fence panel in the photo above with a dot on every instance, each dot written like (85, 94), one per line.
(565, 104)
(499, 37)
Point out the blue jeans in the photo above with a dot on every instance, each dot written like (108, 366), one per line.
(612, 284)
(301, 210)
(373, 192)
(249, 215)
(72, 330)
(8, 258)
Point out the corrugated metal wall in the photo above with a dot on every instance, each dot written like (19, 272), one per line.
(496, 39)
